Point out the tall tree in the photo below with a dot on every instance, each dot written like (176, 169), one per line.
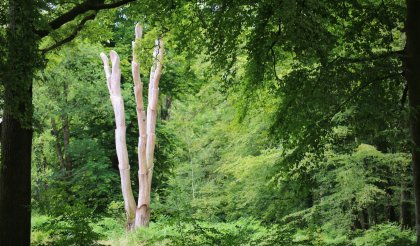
(16, 142)
(412, 74)
(23, 34)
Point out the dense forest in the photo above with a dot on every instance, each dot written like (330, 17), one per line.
(276, 122)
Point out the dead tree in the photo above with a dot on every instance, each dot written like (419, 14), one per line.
(137, 216)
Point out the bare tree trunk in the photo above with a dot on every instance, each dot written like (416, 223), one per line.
(113, 81)
(147, 127)
(143, 203)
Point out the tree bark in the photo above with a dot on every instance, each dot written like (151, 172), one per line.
(152, 108)
(16, 133)
(412, 75)
(16, 142)
(113, 82)
(405, 213)
(15, 183)
(147, 127)
(143, 203)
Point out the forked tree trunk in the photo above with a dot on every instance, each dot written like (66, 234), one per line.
(147, 127)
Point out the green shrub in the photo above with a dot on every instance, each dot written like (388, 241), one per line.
(69, 225)
(241, 232)
(386, 235)
(39, 237)
(197, 233)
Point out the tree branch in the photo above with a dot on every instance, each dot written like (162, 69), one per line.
(358, 90)
(78, 10)
(72, 35)
(374, 56)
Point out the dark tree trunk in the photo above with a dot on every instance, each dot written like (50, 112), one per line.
(389, 209)
(57, 144)
(165, 108)
(372, 215)
(392, 214)
(66, 142)
(66, 130)
(16, 137)
(364, 219)
(15, 183)
(405, 211)
(412, 74)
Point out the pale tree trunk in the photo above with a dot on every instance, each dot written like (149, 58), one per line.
(143, 203)
(147, 128)
(113, 81)
(152, 108)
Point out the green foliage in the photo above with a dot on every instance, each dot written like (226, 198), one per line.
(351, 184)
(92, 172)
(38, 236)
(60, 98)
(165, 232)
(241, 232)
(280, 123)
(385, 235)
(71, 225)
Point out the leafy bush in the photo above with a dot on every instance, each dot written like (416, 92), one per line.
(70, 225)
(386, 235)
(39, 237)
(109, 227)
(169, 232)
(241, 232)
